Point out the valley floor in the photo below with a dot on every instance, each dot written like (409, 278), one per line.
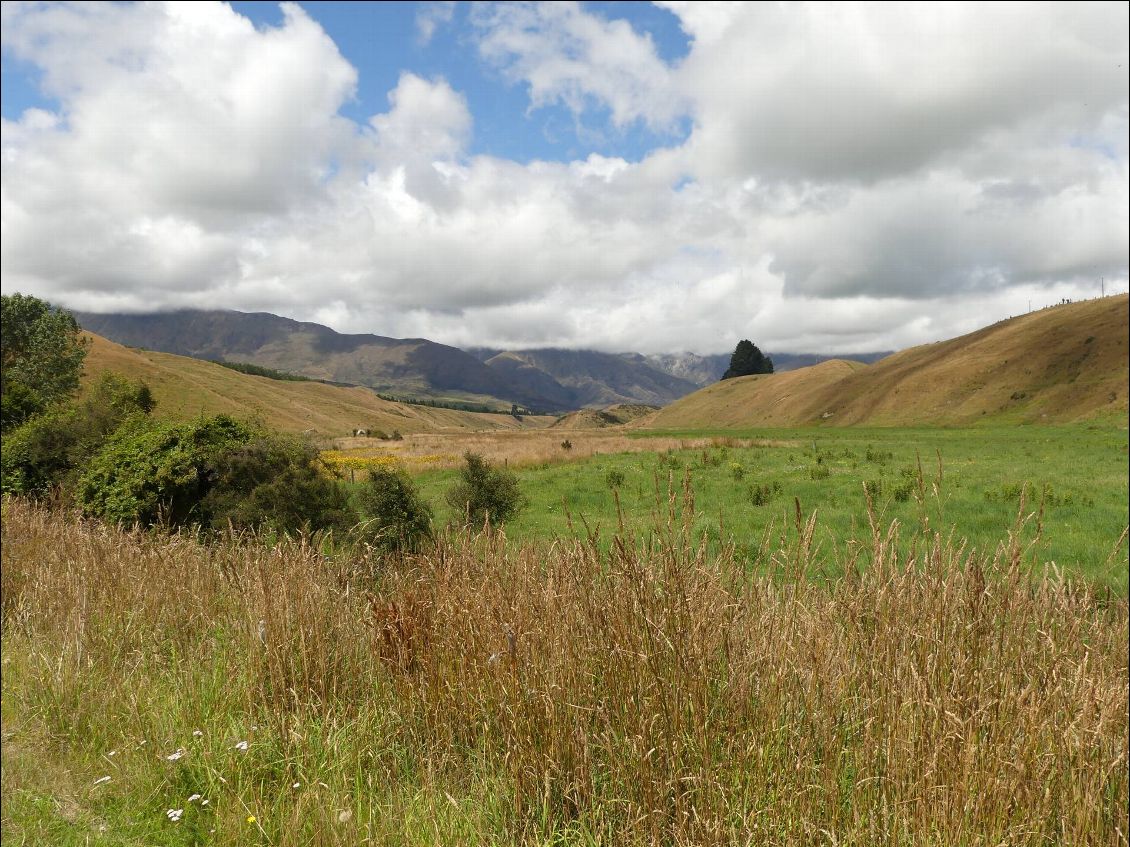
(771, 637)
(746, 484)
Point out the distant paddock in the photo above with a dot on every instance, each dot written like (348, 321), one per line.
(523, 448)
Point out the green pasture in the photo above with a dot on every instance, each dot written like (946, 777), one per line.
(1077, 474)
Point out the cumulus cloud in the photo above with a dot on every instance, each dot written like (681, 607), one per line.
(566, 55)
(865, 92)
(855, 178)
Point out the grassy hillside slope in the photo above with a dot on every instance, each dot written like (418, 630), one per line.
(616, 415)
(186, 387)
(1061, 364)
(780, 399)
(403, 366)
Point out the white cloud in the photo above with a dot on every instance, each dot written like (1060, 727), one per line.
(431, 16)
(427, 121)
(857, 177)
(566, 55)
(705, 22)
(863, 92)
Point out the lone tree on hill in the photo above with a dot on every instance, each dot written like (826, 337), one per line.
(747, 359)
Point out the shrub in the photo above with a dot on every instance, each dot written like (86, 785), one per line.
(761, 495)
(711, 460)
(278, 482)
(212, 472)
(152, 472)
(484, 492)
(819, 471)
(398, 519)
(614, 478)
(902, 492)
(737, 471)
(48, 452)
(566, 444)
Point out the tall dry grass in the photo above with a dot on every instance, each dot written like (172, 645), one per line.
(650, 694)
(523, 449)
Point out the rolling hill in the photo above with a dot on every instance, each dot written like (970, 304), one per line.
(547, 379)
(412, 367)
(1061, 364)
(706, 370)
(615, 415)
(185, 387)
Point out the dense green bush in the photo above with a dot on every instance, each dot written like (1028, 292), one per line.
(48, 452)
(41, 354)
(214, 473)
(398, 519)
(158, 472)
(275, 481)
(485, 492)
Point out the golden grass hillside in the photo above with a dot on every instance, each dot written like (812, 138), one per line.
(616, 415)
(185, 388)
(1061, 364)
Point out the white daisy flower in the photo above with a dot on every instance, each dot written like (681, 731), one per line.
(174, 814)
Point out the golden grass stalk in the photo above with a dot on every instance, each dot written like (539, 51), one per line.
(640, 692)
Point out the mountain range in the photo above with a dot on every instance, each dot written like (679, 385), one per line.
(547, 380)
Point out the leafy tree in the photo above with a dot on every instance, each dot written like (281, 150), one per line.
(746, 360)
(41, 354)
(485, 492)
(48, 451)
(399, 520)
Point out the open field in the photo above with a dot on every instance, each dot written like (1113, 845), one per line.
(159, 692)
(534, 449)
(746, 482)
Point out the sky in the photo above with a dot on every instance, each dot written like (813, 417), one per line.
(661, 177)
